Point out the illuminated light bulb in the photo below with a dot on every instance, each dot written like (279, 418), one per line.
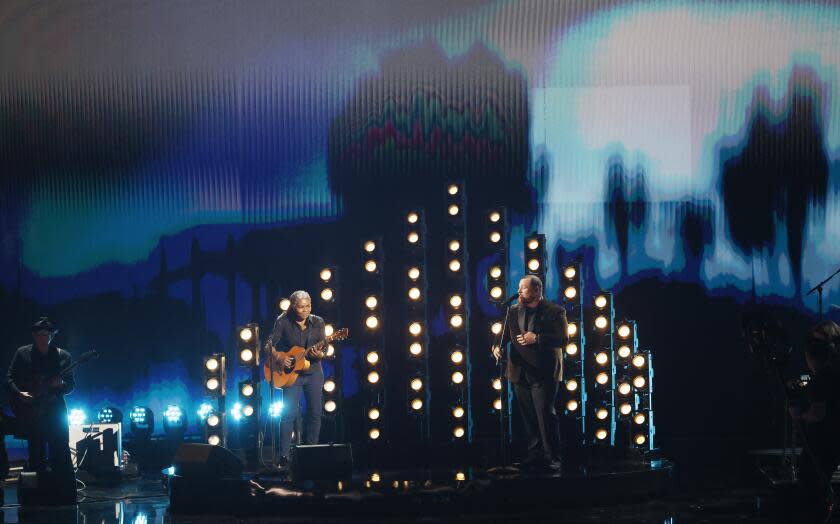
(372, 357)
(602, 358)
(454, 265)
(570, 272)
(373, 377)
(600, 322)
(457, 377)
(453, 210)
(330, 406)
(247, 390)
(246, 355)
(456, 301)
(373, 434)
(454, 245)
(495, 237)
(413, 273)
(570, 292)
(572, 330)
(412, 217)
(371, 302)
(639, 382)
(412, 237)
(601, 301)
(533, 244)
(245, 334)
(624, 351)
(572, 385)
(456, 357)
(495, 216)
(496, 328)
(373, 413)
(639, 361)
(456, 321)
(372, 322)
(497, 384)
(640, 439)
(329, 386)
(497, 404)
(415, 348)
(414, 293)
(370, 246)
(460, 476)
(457, 412)
(639, 418)
(623, 331)
(326, 294)
(496, 292)
(625, 409)
(326, 274)
(602, 378)
(458, 432)
(212, 364)
(212, 384)
(285, 303)
(370, 266)
(452, 189)
(248, 410)
(416, 384)
(534, 264)
(417, 404)
(572, 405)
(601, 434)
(571, 349)
(624, 388)
(214, 440)
(329, 330)
(415, 328)
(213, 420)
(495, 272)
(601, 414)
(330, 350)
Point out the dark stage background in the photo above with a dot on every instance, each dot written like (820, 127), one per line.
(170, 169)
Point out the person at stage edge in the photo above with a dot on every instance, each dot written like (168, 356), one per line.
(537, 330)
(299, 327)
(48, 437)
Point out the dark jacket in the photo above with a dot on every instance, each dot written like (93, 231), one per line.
(28, 362)
(542, 361)
(287, 334)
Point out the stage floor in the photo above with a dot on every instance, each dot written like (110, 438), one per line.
(414, 496)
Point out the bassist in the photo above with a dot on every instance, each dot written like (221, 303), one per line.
(299, 327)
(35, 386)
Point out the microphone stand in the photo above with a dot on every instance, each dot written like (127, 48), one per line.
(504, 394)
(819, 289)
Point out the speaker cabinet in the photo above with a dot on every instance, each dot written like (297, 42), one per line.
(206, 462)
(322, 462)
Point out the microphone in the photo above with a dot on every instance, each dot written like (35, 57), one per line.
(510, 299)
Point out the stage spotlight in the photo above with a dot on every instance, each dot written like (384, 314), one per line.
(174, 421)
(456, 301)
(415, 349)
(495, 327)
(495, 216)
(640, 439)
(639, 382)
(414, 293)
(109, 415)
(571, 349)
(371, 302)
(458, 431)
(211, 364)
(326, 294)
(601, 301)
(453, 210)
(373, 377)
(496, 292)
(497, 404)
(533, 244)
(452, 189)
(601, 413)
(417, 404)
(412, 217)
(456, 356)
(374, 433)
(214, 375)
(495, 272)
(602, 378)
(570, 272)
(454, 265)
(372, 322)
(373, 414)
(624, 388)
(372, 357)
(370, 266)
(571, 384)
(283, 304)
(76, 417)
(413, 237)
(330, 350)
(533, 265)
(639, 419)
(456, 321)
(214, 439)
(246, 334)
(330, 406)
(623, 330)
(454, 246)
(328, 330)
(248, 410)
(495, 237)
(457, 412)
(624, 351)
(416, 384)
(329, 385)
(203, 411)
(601, 434)
(497, 384)
(326, 274)
(142, 422)
(370, 246)
(457, 377)
(602, 358)
(639, 361)
(572, 329)
(572, 405)
(570, 292)
(414, 273)
(415, 328)
(601, 322)
(625, 409)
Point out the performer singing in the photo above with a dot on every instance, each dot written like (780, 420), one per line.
(299, 327)
(36, 388)
(537, 330)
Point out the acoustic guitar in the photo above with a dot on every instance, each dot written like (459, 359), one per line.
(284, 376)
(29, 412)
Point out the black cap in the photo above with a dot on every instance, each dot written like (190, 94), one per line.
(44, 324)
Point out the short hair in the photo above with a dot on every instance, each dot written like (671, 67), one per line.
(297, 296)
(533, 281)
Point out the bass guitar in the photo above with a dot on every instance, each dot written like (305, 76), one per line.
(28, 412)
(285, 376)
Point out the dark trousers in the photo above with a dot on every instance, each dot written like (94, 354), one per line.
(49, 446)
(311, 386)
(535, 399)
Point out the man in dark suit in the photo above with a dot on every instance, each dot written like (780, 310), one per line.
(537, 330)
